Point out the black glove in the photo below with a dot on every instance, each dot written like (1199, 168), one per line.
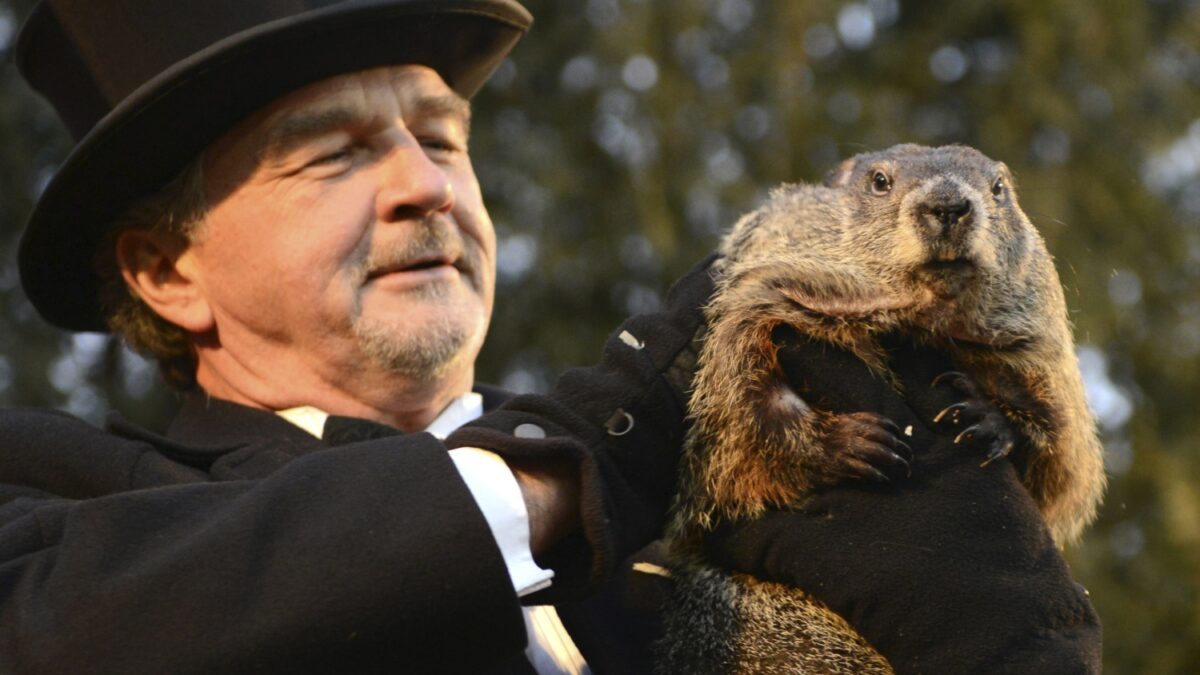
(621, 422)
(948, 570)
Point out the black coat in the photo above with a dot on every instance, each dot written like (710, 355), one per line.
(237, 542)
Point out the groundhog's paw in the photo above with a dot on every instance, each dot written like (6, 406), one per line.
(863, 445)
(983, 425)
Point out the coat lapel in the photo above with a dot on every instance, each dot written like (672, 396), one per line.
(234, 442)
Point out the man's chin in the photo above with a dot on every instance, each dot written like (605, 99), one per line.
(418, 346)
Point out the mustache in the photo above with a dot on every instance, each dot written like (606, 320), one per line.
(433, 239)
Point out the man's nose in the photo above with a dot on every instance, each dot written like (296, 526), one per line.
(414, 186)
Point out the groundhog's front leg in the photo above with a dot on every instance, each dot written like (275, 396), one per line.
(1062, 464)
(755, 443)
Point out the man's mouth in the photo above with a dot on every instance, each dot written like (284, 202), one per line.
(432, 261)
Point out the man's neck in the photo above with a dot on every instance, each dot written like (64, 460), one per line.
(395, 401)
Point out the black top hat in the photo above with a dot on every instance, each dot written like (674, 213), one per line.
(146, 85)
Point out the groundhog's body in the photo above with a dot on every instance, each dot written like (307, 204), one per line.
(930, 242)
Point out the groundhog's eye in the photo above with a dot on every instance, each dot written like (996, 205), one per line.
(998, 188)
(881, 184)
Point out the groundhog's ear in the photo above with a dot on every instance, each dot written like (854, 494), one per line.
(840, 175)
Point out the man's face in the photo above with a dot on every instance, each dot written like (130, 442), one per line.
(346, 244)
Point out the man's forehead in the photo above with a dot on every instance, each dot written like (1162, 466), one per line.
(401, 85)
(354, 98)
(346, 101)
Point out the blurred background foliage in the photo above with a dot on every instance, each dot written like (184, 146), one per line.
(624, 135)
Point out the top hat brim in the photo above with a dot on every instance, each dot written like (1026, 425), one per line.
(149, 137)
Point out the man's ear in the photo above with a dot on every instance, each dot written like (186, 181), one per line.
(160, 268)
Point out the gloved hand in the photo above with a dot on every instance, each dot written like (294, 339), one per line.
(620, 424)
(948, 570)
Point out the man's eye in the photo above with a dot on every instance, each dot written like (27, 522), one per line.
(438, 143)
(332, 157)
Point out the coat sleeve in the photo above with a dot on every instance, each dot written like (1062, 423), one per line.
(368, 556)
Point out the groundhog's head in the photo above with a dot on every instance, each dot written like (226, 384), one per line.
(946, 221)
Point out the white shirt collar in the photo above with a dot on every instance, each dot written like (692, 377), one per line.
(461, 410)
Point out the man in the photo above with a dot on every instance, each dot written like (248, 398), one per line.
(275, 199)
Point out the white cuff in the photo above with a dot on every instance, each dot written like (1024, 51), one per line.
(495, 490)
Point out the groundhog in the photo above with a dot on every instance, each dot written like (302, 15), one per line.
(928, 242)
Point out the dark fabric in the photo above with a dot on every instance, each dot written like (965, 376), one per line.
(368, 557)
(160, 81)
(616, 627)
(359, 559)
(951, 570)
(236, 542)
(622, 422)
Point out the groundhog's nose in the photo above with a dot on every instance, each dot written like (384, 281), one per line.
(943, 214)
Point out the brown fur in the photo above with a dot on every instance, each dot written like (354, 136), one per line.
(843, 264)
(733, 615)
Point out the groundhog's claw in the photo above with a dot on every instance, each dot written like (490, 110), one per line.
(966, 434)
(985, 423)
(998, 451)
(954, 411)
(947, 375)
(866, 446)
